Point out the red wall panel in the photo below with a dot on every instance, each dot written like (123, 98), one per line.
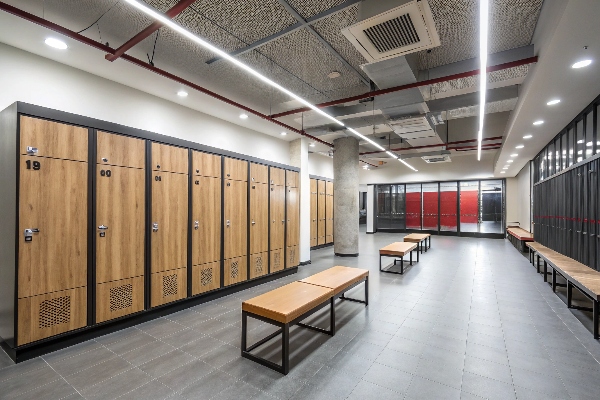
(430, 210)
(448, 210)
(413, 210)
(469, 207)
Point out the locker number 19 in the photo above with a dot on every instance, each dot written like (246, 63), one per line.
(35, 165)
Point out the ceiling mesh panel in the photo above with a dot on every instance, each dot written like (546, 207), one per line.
(309, 8)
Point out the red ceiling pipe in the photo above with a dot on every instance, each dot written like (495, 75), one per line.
(483, 146)
(372, 165)
(83, 39)
(432, 145)
(474, 72)
(172, 13)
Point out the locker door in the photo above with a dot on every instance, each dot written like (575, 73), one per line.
(292, 211)
(206, 220)
(277, 176)
(169, 158)
(120, 209)
(169, 221)
(259, 218)
(53, 200)
(313, 212)
(291, 179)
(329, 218)
(205, 164)
(120, 150)
(44, 138)
(321, 217)
(236, 170)
(277, 217)
(259, 173)
(236, 223)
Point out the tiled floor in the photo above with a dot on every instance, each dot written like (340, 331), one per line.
(471, 320)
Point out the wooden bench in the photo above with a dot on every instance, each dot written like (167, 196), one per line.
(290, 304)
(575, 273)
(397, 249)
(518, 237)
(419, 238)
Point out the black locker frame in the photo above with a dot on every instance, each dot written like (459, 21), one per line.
(9, 230)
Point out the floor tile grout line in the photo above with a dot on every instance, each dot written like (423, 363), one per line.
(63, 378)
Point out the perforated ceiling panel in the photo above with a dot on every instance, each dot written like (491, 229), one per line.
(309, 8)
(512, 25)
(490, 108)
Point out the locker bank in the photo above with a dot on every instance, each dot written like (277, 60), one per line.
(299, 199)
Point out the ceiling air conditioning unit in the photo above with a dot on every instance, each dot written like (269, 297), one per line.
(436, 159)
(399, 31)
(412, 127)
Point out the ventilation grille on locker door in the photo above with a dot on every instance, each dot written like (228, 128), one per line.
(55, 312)
(277, 260)
(206, 276)
(121, 297)
(258, 267)
(292, 256)
(234, 270)
(170, 286)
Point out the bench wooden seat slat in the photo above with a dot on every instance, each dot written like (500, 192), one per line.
(288, 302)
(416, 237)
(337, 278)
(399, 249)
(521, 234)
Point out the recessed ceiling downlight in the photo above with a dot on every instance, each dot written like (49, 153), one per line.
(581, 64)
(553, 102)
(182, 93)
(527, 137)
(509, 161)
(502, 172)
(520, 146)
(538, 122)
(514, 155)
(283, 133)
(57, 44)
(244, 116)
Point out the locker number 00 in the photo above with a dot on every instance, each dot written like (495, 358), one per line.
(35, 165)
(105, 173)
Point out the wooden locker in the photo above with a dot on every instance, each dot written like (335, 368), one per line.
(53, 199)
(50, 314)
(168, 286)
(277, 176)
(119, 298)
(235, 227)
(120, 150)
(169, 221)
(291, 179)
(293, 217)
(167, 158)
(329, 215)
(205, 164)
(259, 217)
(235, 270)
(206, 277)
(259, 264)
(277, 260)
(120, 220)
(259, 173)
(321, 216)
(277, 198)
(206, 220)
(292, 256)
(42, 138)
(236, 170)
(313, 212)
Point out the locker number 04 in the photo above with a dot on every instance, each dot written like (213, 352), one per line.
(35, 165)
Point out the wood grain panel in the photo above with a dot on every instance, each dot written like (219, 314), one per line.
(259, 217)
(235, 270)
(205, 164)
(328, 215)
(119, 298)
(277, 260)
(321, 216)
(277, 176)
(167, 158)
(313, 212)
(292, 256)
(236, 170)
(168, 286)
(259, 173)
(51, 314)
(259, 264)
(236, 222)
(277, 238)
(206, 277)
(52, 199)
(328, 239)
(291, 179)
(170, 212)
(329, 188)
(120, 150)
(120, 206)
(206, 212)
(53, 139)
(293, 217)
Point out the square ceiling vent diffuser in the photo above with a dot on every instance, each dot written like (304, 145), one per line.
(399, 31)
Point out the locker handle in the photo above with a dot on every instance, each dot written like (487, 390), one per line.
(155, 227)
(32, 150)
(196, 225)
(104, 159)
(102, 227)
(228, 223)
(283, 221)
(253, 223)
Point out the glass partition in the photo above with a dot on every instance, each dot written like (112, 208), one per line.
(430, 206)
(384, 207)
(398, 220)
(491, 207)
(469, 206)
(448, 206)
(413, 206)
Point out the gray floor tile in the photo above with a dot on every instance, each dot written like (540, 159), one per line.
(98, 373)
(160, 327)
(16, 370)
(221, 355)
(421, 388)
(28, 381)
(488, 369)
(185, 375)
(153, 390)
(388, 377)
(131, 342)
(446, 374)
(78, 363)
(117, 385)
(239, 390)
(57, 389)
(210, 386)
(401, 361)
(166, 363)
(368, 390)
(487, 388)
(538, 382)
(146, 353)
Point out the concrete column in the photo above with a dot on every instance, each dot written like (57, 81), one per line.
(299, 158)
(345, 197)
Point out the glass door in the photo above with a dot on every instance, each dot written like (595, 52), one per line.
(430, 206)
(448, 206)
(491, 207)
(469, 206)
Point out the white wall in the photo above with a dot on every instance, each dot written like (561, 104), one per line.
(512, 201)
(524, 186)
(320, 165)
(33, 79)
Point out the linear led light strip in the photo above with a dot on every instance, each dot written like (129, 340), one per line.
(178, 28)
(380, 147)
(483, 50)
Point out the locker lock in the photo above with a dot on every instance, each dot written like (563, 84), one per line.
(228, 175)
(155, 227)
(102, 229)
(157, 166)
(197, 171)
(104, 159)
(228, 223)
(32, 150)
(252, 179)
(196, 225)
(253, 222)
(29, 234)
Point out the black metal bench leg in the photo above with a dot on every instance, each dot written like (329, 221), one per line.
(569, 293)
(380, 262)
(595, 318)
(244, 330)
(285, 349)
(545, 271)
(367, 291)
(411, 256)
(553, 280)
(537, 264)
(417, 257)
(402, 265)
(332, 316)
